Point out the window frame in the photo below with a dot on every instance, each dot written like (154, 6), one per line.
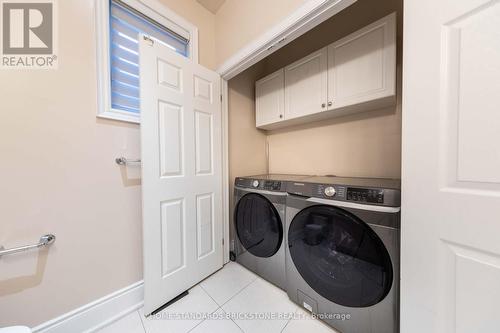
(157, 12)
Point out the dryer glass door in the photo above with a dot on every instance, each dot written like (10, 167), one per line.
(258, 225)
(340, 256)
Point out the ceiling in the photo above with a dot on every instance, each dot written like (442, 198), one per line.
(212, 5)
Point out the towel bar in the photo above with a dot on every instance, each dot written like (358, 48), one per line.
(124, 161)
(45, 240)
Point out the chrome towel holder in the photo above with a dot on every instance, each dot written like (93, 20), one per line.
(45, 240)
(124, 161)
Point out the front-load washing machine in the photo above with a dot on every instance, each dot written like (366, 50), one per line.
(342, 257)
(258, 220)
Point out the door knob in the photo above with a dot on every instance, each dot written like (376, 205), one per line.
(281, 116)
(330, 103)
(323, 105)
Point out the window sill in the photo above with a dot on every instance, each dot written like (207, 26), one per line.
(120, 116)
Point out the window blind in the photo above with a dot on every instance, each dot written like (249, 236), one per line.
(125, 26)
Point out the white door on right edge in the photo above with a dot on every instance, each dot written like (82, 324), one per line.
(450, 265)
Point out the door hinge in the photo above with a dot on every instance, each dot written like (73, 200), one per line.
(222, 241)
(221, 98)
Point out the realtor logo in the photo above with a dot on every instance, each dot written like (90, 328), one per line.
(28, 30)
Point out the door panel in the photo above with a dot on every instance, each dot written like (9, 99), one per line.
(470, 51)
(171, 129)
(170, 75)
(173, 240)
(181, 173)
(203, 89)
(450, 202)
(306, 85)
(204, 142)
(205, 223)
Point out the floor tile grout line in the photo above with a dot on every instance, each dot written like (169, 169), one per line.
(255, 277)
(206, 292)
(288, 322)
(259, 278)
(241, 329)
(141, 317)
(142, 323)
(220, 307)
(201, 321)
(210, 296)
(239, 292)
(254, 280)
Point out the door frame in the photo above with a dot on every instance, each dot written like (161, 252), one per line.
(303, 19)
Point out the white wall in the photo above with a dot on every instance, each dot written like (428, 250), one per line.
(58, 175)
(238, 22)
(247, 144)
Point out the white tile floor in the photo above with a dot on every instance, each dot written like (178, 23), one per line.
(218, 305)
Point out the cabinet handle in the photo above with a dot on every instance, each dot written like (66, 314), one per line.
(330, 103)
(323, 105)
(281, 116)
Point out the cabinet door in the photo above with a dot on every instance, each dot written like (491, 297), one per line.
(269, 99)
(306, 85)
(362, 66)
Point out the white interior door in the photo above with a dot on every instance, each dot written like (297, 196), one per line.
(451, 167)
(181, 173)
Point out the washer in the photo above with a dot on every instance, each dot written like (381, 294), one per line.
(342, 256)
(259, 217)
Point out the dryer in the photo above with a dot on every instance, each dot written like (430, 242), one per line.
(342, 256)
(258, 221)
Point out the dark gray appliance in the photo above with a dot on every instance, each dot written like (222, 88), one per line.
(342, 256)
(258, 221)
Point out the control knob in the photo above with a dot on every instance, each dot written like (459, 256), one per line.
(330, 191)
(255, 183)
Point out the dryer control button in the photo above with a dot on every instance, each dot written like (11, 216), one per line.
(255, 183)
(330, 191)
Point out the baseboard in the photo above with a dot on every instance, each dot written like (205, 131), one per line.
(97, 314)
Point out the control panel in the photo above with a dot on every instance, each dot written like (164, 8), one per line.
(259, 184)
(365, 195)
(272, 185)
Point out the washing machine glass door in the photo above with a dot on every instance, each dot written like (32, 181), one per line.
(258, 225)
(340, 256)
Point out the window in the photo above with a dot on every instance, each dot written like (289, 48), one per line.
(121, 23)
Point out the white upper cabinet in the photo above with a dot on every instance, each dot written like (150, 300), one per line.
(270, 99)
(306, 85)
(354, 74)
(362, 67)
